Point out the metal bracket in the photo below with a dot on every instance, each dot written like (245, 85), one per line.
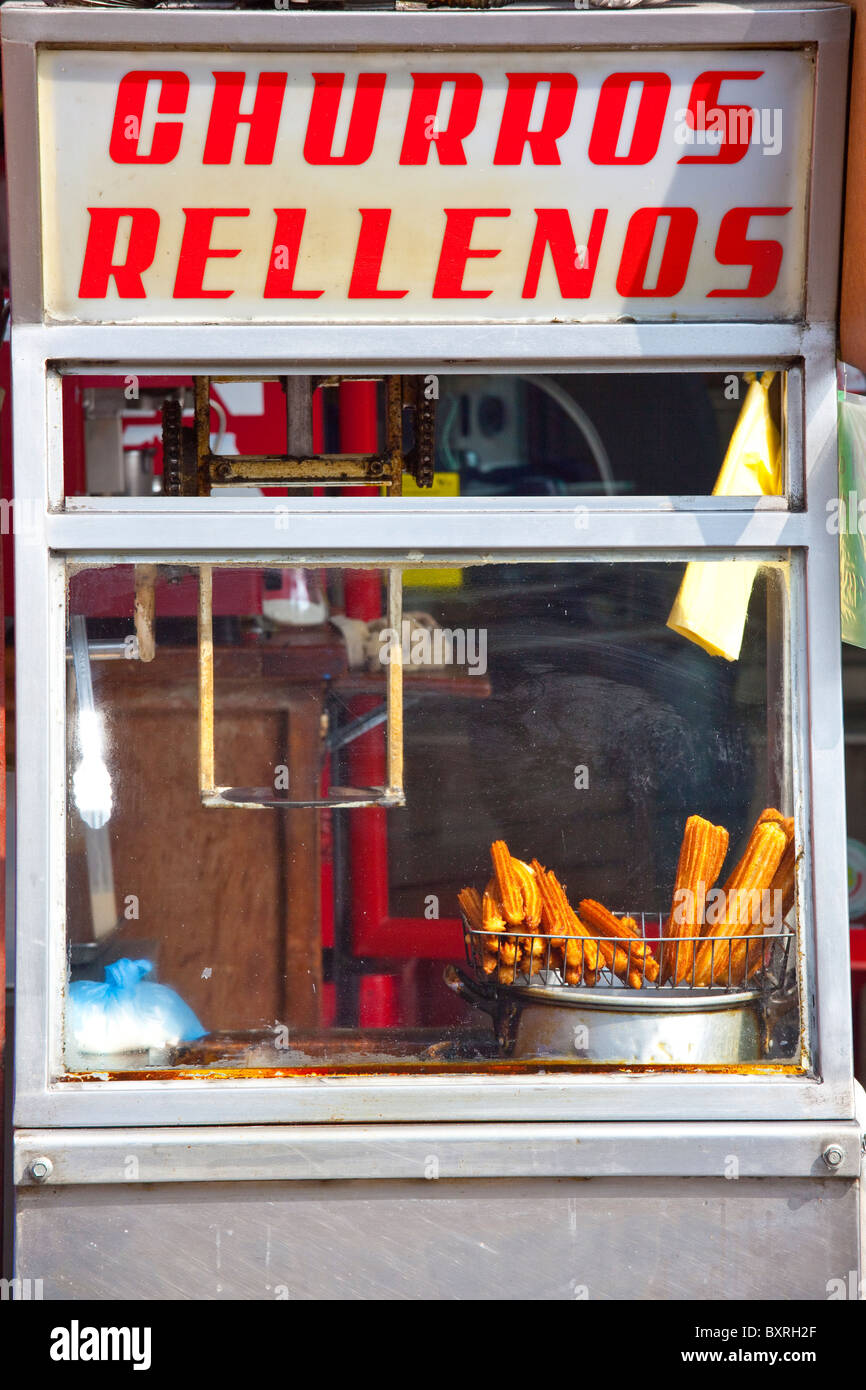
(192, 469)
(259, 798)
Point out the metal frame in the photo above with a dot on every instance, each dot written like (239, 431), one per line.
(410, 532)
(252, 1153)
(264, 798)
(428, 531)
(827, 26)
(384, 468)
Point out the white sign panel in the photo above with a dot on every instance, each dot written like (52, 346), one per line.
(553, 186)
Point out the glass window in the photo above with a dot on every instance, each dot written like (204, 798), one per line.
(542, 435)
(637, 905)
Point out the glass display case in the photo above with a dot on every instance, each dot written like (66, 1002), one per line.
(545, 705)
(429, 726)
(312, 732)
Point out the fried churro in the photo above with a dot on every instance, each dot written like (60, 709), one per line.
(471, 903)
(552, 921)
(530, 891)
(492, 919)
(702, 855)
(507, 941)
(533, 948)
(784, 880)
(508, 883)
(583, 952)
(602, 923)
(482, 916)
(530, 897)
(744, 890)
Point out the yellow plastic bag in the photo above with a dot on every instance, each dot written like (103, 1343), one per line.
(713, 599)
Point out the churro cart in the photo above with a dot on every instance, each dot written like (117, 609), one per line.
(426, 643)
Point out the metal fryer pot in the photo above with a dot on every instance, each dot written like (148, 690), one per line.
(620, 1025)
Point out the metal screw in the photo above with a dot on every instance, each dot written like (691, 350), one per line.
(833, 1156)
(40, 1169)
(224, 470)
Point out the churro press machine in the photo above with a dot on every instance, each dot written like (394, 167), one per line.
(426, 628)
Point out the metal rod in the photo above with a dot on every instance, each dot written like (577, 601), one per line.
(284, 470)
(357, 728)
(299, 414)
(81, 662)
(145, 610)
(347, 733)
(298, 459)
(206, 772)
(394, 750)
(202, 433)
(100, 881)
(108, 649)
(100, 870)
(394, 433)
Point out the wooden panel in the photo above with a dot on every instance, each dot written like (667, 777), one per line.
(208, 881)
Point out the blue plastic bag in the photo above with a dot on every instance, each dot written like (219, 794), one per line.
(127, 1014)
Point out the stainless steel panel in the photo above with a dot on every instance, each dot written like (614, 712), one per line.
(818, 749)
(272, 349)
(413, 536)
(606, 1238)
(253, 1153)
(825, 205)
(437, 1099)
(22, 174)
(527, 28)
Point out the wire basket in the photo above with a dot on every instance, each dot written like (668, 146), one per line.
(649, 960)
